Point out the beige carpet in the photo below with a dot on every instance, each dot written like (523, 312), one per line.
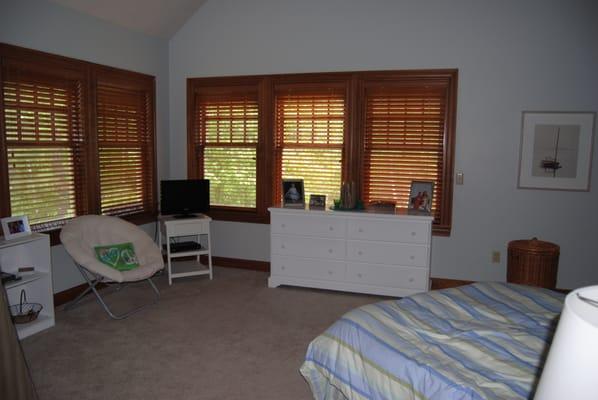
(230, 338)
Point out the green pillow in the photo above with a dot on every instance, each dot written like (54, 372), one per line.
(118, 256)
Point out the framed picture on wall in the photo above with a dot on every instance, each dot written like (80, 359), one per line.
(556, 150)
(420, 197)
(292, 193)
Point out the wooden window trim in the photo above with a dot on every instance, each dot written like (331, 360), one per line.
(355, 83)
(70, 67)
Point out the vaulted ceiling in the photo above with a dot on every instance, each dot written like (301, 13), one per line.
(160, 18)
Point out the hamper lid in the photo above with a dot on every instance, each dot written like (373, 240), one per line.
(534, 245)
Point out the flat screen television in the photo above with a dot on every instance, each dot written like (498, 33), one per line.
(184, 197)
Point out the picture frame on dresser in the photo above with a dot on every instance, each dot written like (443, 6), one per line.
(420, 197)
(317, 202)
(293, 194)
(15, 227)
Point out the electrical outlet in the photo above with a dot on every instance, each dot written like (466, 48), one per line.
(495, 256)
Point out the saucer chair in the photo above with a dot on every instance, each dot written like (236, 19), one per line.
(82, 234)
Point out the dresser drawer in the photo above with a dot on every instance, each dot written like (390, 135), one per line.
(308, 225)
(387, 253)
(287, 245)
(391, 230)
(308, 268)
(387, 275)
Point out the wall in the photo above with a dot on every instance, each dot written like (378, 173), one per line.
(511, 55)
(48, 27)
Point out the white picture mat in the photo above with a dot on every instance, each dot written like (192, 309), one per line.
(581, 181)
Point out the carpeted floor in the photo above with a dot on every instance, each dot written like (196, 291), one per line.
(230, 338)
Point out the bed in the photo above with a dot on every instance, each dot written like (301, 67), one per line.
(480, 341)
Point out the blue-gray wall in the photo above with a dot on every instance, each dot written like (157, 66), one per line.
(48, 27)
(511, 55)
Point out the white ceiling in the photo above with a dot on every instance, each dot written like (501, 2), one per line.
(161, 18)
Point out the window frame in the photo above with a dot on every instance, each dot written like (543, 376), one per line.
(10, 54)
(224, 85)
(353, 153)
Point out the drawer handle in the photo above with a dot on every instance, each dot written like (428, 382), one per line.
(330, 251)
(412, 257)
(411, 279)
(330, 228)
(282, 267)
(360, 275)
(359, 252)
(282, 246)
(413, 234)
(283, 225)
(329, 272)
(360, 230)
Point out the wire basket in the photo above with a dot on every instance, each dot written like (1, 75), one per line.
(24, 312)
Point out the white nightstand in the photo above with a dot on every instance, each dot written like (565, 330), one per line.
(185, 238)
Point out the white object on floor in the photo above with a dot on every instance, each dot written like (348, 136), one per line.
(32, 250)
(174, 228)
(385, 254)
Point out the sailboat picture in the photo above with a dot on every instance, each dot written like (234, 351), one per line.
(556, 149)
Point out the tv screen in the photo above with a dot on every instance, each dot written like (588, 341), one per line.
(185, 196)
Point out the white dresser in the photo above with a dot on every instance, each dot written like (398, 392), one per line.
(386, 254)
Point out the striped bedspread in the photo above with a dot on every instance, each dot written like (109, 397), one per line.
(481, 341)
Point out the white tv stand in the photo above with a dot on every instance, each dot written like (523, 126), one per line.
(385, 254)
(198, 228)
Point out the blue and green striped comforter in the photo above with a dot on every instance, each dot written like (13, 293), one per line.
(481, 341)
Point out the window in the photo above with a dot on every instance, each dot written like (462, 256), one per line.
(225, 144)
(310, 130)
(404, 140)
(380, 130)
(56, 159)
(125, 146)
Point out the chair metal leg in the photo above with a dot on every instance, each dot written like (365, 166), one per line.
(92, 283)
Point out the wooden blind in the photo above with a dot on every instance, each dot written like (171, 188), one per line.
(126, 148)
(310, 129)
(225, 143)
(45, 140)
(404, 141)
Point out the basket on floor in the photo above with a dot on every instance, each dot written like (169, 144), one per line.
(24, 312)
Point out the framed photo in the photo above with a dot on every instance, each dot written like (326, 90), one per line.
(14, 227)
(292, 193)
(556, 150)
(420, 197)
(317, 202)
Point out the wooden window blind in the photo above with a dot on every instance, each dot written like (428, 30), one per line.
(378, 129)
(225, 144)
(310, 130)
(125, 148)
(75, 138)
(404, 141)
(45, 146)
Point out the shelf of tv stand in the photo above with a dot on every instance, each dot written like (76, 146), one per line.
(179, 254)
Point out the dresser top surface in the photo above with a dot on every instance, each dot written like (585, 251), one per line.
(400, 214)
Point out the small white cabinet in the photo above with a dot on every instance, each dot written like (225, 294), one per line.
(30, 251)
(195, 231)
(386, 254)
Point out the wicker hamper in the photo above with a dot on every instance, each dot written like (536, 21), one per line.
(533, 262)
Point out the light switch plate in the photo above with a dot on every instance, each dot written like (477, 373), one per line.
(459, 178)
